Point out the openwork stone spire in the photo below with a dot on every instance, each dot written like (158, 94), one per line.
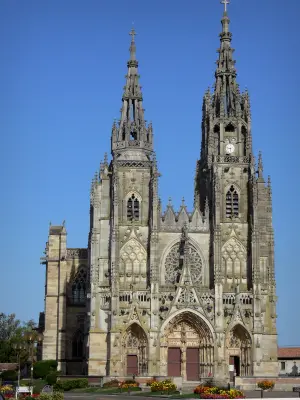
(226, 88)
(131, 131)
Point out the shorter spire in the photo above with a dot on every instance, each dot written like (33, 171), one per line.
(132, 132)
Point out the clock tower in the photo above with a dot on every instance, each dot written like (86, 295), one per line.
(231, 190)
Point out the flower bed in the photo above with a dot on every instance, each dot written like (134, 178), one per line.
(214, 392)
(8, 393)
(129, 384)
(163, 386)
(266, 385)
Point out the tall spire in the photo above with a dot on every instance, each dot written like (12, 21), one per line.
(131, 133)
(227, 99)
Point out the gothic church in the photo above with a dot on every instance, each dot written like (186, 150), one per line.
(183, 294)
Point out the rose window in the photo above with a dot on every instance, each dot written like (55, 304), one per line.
(173, 265)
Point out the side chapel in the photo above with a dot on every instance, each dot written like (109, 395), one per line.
(187, 294)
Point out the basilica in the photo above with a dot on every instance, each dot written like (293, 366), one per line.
(187, 294)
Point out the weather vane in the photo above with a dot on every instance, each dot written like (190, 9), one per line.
(225, 2)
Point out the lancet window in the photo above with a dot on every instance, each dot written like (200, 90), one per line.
(133, 208)
(232, 203)
(79, 287)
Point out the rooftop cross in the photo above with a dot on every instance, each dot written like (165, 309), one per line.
(225, 2)
(132, 33)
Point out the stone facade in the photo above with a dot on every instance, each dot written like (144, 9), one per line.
(187, 294)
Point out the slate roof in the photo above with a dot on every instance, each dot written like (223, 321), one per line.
(288, 352)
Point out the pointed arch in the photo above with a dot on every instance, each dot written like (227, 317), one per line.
(239, 345)
(232, 205)
(133, 204)
(187, 332)
(234, 256)
(133, 262)
(79, 286)
(135, 350)
(230, 127)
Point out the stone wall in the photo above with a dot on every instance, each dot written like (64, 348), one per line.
(281, 383)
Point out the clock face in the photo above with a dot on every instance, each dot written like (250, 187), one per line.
(229, 148)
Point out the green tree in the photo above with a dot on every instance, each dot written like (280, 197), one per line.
(12, 331)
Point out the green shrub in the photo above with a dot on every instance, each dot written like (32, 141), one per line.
(58, 396)
(42, 368)
(51, 396)
(51, 378)
(45, 396)
(112, 383)
(9, 376)
(38, 385)
(68, 384)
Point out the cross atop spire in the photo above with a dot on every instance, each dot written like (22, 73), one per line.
(225, 2)
(132, 33)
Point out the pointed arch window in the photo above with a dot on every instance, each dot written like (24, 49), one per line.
(133, 208)
(79, 287)
(232, 203)
(77, 345)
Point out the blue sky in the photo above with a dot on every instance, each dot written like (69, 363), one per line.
(62, 72)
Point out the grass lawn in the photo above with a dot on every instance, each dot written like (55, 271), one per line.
(136, 392)
(104, 390)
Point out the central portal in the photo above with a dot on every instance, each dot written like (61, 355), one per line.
(187, 348)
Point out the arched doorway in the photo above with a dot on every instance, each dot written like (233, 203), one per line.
(135, 351)
(239, 351)
(187, 348)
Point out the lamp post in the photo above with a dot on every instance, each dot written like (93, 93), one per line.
(18, 347)
(32, 338)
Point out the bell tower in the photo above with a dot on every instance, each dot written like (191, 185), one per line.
(240, 215)
(125, 212)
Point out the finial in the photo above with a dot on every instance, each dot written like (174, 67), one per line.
(105, 158)
(64, 222)
(260, 166)
(170, 202)
(225, 2)
(183, 204)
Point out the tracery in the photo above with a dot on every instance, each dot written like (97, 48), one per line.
(173, 264)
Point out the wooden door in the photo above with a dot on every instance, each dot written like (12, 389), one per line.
(174, 361)
(132, 365)
(192, 364)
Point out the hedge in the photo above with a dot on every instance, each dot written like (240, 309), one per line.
(68, 384)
